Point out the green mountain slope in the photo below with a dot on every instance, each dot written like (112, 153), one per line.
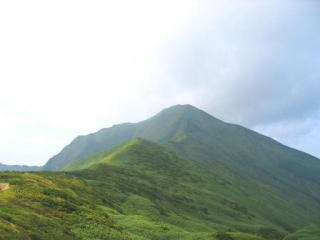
(199, 137)
(181, 174)
(138, 191)
(163, 127)
(139, 154)
(268, 197)
(141, 190)
(311, 232)
(268, 174)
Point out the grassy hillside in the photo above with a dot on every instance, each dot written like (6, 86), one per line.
(311, 232)
(202, 139)
(200, 178)
(64, 206)
(269, 202)
(160, 128)
(198, 137)
(138, 191)
(270, 178)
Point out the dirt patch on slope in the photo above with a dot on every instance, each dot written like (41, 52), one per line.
(4, 186)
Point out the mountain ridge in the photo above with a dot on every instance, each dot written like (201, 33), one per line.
(229, 152)
(126, 131)
(181, 174)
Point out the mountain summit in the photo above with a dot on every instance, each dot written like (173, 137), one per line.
(168, 125)
(196, 136)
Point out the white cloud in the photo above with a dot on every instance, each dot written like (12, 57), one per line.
(72, 67)
(254, 63)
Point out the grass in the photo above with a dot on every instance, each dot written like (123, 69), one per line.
(139, 191)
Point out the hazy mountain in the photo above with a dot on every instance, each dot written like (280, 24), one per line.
(20, 168)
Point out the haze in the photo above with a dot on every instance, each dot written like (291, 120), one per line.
(69, 68)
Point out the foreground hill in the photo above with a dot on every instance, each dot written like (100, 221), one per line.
(139, 191)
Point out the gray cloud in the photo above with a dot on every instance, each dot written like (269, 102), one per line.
(258, 66)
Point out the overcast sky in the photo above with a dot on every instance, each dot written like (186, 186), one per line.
(69, 68)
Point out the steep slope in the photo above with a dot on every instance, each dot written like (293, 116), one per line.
(141, 190)
(163, 127)
(230, 151)
(274, 183)
(311, 232)
(138, 153)
(138, 191)
(268, 201)
(199, 137)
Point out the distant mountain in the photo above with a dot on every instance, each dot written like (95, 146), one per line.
(19, 168)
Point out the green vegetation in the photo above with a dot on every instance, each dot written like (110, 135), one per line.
(201, 179)
(311, 232)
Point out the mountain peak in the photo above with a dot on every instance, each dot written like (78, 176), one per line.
(183, 108)
(185, 111)
(170, 123)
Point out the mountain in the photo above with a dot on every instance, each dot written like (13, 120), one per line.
(163, 127)
(137, 191)
(198, 137)
(19, 168)
(181, 174)
(262, 169)
(208, 142)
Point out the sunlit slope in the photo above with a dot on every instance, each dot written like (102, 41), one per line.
(51, 206)
(200, 138)
(252, 199)
(142, 190)
(165, 126)
(277, 183)
(311, 232)
(139, 191)
(138, 154)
